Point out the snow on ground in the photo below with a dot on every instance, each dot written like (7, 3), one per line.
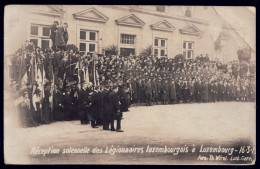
(154, 125)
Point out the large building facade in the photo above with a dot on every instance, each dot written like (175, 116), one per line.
(169, 30)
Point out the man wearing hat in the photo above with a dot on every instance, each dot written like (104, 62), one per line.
(114, 110)
(104, 104)
(53, 33)
(84, 103)
(148, 92)
(25, 111)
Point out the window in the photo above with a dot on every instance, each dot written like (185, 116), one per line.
(155, 52)
(162, 52)
(83, 35)
(92, 47)
(92, 35)
(40, 36)
(160, 8)
(188, 12)
(45, 31)
(162, 43)
(34, 30)
(188, 48)
(88, 41)
(127, 39)
(155, 42)
(160, 47)
(45, 44)
(82, 47)
(127, 44)
(127, 51)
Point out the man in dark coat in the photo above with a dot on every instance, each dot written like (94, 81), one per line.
(172, 92)
(59, 38)
(185, 91)
(159, 87)
(95, 108)
(66, 35)
(105, 106)
(220, 91)
(84, 104)
(148, 92)
(154, 91)
(178, 91)
(115, 113)
(134, 90)
(205, 92)
(53, 33)
(46, 103)
(67, 102)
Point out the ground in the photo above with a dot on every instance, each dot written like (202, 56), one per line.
(158, 125)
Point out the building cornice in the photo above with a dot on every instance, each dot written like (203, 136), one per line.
(156, 26)
(192, 20)
(123, 21)
(102, 17)
(45, 13)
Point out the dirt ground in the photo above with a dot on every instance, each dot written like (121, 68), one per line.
(158, 125)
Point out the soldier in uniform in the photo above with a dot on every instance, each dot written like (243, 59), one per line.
(95, 108)
(115, 113)
(159, 88)
(238, 92)
(134, 90)
(105, 105)
(172, 92)
(74, 104)
(205, 91)
(46, 103)
(178, 91)
(164, 90)
(53, 33)
(191, 91)
(148, 92)
(84, 103)
(155, 91)
(58, 102)
(220, 91)
(67, 102)
(185, 91)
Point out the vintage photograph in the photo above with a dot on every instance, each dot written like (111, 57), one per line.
(129, 84)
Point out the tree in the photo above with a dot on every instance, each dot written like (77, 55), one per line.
(148, 51)
(111, 50)
(179, 58)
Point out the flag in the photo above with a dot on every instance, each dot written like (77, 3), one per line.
(22, 69)
(43, 82)
(86, 74)
(97, 78)
(52, 90)
(25, 79)
(94, 73)
(18, 101)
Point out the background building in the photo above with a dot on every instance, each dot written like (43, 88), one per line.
(170, 30)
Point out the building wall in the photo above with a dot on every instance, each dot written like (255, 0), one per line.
(109, 31)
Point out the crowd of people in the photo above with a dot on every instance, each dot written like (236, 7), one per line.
(56, 85)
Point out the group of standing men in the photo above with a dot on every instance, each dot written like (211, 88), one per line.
(63, 84)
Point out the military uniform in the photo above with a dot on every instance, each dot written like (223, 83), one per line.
(84, 105)
(148, 93)
(172, 93)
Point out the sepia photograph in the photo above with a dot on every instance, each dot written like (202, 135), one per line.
(129, 84)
